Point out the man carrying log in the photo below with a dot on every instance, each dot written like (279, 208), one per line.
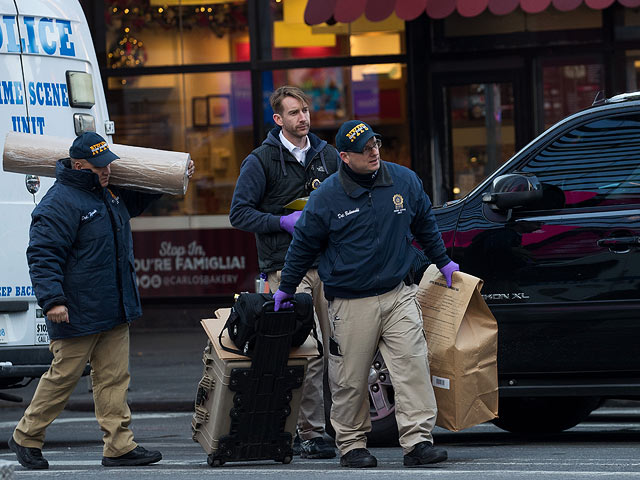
(80, 257)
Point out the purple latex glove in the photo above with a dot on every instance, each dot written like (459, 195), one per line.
(448, 270)
(279, 298)
(287, 222)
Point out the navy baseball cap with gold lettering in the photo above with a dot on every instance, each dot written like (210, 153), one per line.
(353, 136)
(93, 148)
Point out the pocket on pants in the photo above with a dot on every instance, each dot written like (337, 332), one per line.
(334, 347)
(336, 370)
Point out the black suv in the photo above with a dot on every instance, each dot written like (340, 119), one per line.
(555, 235)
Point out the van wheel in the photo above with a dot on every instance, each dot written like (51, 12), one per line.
(543, 414)
(384, 430)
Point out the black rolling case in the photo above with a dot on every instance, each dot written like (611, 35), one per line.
(246, 408)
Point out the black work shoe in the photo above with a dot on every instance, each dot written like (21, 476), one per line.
(137, 456)
(297, 446)
(30, 458)
(424, 453)
(317, 448)
(358, 458)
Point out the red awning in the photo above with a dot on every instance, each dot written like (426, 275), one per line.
(319, 11)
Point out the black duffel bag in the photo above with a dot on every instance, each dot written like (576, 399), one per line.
(242, 323)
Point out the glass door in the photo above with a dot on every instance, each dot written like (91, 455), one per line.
(482, 131)
(477, 125)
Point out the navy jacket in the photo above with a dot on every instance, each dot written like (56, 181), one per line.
(80, 252)
(270, 177)
(363, 236)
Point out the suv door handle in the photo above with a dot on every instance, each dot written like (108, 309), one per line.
(619, 244)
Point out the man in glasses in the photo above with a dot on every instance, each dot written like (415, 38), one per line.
(362, 222)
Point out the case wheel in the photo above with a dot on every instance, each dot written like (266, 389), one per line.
(214, 462)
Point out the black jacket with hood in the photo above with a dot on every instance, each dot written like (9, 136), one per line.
(80, 252)
(271, 177)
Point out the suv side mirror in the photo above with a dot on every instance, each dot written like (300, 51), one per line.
(514, 191)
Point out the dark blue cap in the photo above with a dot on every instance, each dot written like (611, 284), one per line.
(353, 136)
(93, 148)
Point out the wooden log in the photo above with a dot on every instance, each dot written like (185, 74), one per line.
(137, 168)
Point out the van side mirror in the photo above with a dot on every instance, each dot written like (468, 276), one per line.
(32, 183)
(514, 191)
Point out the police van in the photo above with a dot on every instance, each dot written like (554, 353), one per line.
(49, 85)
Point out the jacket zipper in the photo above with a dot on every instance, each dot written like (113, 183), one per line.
(375, 223)
(107, 201)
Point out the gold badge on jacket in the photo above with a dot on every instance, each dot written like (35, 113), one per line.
(398, 203)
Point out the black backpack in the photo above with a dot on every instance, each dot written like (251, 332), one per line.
(247, 312)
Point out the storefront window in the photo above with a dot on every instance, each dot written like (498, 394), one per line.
(482, 131)
(292, 38)
(196, 113)
(373, 93)
(569, 86)
(175, 32)
(633, 70)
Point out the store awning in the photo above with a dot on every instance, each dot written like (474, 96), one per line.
(345, 11)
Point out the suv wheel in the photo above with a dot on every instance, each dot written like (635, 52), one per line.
(543, 414)
(384, 430)
(382, 405)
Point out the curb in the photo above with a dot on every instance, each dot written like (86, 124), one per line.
(137, 406)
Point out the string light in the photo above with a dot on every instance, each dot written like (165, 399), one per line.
(129, 17)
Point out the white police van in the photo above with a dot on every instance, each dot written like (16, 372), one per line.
(49, 85)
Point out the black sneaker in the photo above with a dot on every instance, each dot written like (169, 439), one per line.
(30, 458)
(297, 446)
(137, 456)
(358, 458)
(317, 448)
(424, 453)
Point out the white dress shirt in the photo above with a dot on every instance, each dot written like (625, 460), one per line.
(298, 153)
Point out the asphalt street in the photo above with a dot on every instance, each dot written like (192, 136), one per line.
(602, 448)
(166, 368)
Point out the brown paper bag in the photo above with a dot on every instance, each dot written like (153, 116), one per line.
(462, 336)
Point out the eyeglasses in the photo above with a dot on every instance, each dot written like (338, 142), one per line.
(377, 143)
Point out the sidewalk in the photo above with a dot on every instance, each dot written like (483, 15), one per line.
(165, 365)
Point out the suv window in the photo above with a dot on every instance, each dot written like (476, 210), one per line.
(596, 164)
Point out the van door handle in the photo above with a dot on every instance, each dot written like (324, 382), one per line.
(619, 244)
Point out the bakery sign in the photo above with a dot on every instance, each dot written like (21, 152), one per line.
(190, 263)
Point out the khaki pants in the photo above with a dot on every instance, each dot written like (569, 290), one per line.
(311, 415)
(108, 353)
(391, 322)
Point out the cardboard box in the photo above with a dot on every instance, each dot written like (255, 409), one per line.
(213, 327)
(215, 402)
